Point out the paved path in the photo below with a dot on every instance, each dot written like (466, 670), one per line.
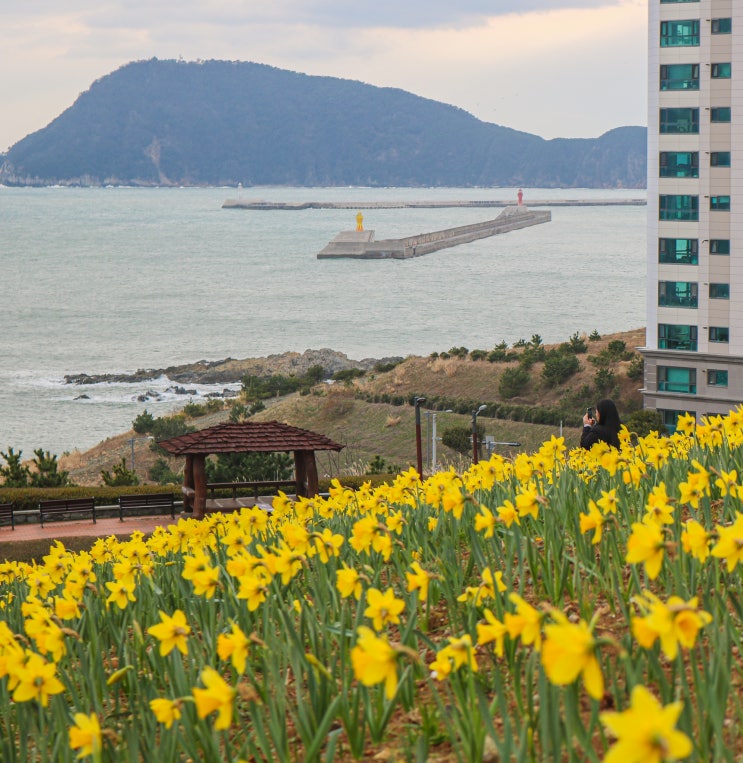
(101, 529)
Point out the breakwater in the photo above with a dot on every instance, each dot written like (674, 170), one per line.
(258, 204)
(362, 244)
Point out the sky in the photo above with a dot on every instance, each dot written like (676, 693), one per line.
(555, 68)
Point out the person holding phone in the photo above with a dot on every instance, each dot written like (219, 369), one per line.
(601, 424)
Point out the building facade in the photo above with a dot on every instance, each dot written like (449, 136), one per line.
(694, 344)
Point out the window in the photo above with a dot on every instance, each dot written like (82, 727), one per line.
(673, 336)
(675, 34)
(677, 294)
(719, 291)
(678, 251)
(679, 121)
(719, 334)
(719, 203)
(717, 378)
(679, 164)
(678, 208)
(679, 77)
(719, 159)
(672, 379)
(719, 114)
(722, 26)
(719, 246)
(722, 71)
(670, 418)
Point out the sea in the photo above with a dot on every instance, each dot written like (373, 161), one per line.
(98, 280)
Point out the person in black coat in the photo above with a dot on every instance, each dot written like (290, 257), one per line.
(603, 428)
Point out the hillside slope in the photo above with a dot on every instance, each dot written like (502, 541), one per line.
(222, 122)
(343, 411)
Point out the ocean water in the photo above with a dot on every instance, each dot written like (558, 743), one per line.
(116, 279)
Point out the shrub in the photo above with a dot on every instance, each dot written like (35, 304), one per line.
(513, 381)
(143, 423)
(616, 348)
(643, 422)
(604, 380)
(577, 344)
(14, 473)
(594, 336)
(636, 367)
(46, 471)
(162, 473)
(460, 438)
(121, 476)
(478, 354)
(559, 367)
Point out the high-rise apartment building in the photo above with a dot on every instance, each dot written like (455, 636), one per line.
(694, 344)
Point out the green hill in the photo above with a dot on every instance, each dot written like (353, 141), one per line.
(223, 123)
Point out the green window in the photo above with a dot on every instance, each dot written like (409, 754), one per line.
(676, 34)
(717, 378)
(719, 203)
(722, 71)
(719, 159)
(719, 114)
(678, 207)
(719, 334)
(719, 246)
(678, 251)
(672, 336)
(721, 26)
(679, 164)
(678, 294)
(679, 77)
(671, 379)
(679, 121)
(670, 418)
(719, 291)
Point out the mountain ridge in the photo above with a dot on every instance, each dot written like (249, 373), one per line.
(165, 122)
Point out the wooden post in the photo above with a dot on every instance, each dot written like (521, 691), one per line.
(308, 483)
(199, 480)
(188, 483)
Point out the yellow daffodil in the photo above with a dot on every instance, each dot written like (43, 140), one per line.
(85, 735)
(172, 632)
(121, 593)
(525, 623)
(508, 514)
(608, 501)
(593, 520)
(491, 631)
(695, 540)
(234, 646)
(730, 542)
(418, 580)
(456, 654)
(485, 522)
(218, 696)
(348, 582)
(645, 546)
(383, 608)
(659, 508)
(568, 651)
(646, 731)
(35, 678)
(167, 711)
(374, 661)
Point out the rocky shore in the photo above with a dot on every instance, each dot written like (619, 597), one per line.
(231, 371)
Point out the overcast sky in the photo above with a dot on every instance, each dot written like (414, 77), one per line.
(557, 68)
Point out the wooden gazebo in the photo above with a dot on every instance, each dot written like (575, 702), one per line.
(246, 437)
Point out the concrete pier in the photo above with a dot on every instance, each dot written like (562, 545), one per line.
(362, 244)
(258, 204)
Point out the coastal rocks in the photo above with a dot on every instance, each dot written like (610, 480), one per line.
(231, 371)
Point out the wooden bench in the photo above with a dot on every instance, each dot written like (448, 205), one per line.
(65, 508)
(7, 511)
(146, 503)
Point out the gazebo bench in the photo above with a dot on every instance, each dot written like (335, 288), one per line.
(65, 508)
(147, 503)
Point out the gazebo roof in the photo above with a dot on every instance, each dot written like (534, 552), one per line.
(246, 437)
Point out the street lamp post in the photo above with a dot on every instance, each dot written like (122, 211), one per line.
(418, 447)
(475, 445)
